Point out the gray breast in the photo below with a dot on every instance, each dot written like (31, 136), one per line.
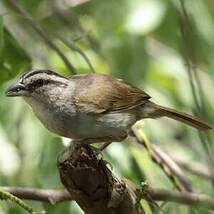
(59, 115)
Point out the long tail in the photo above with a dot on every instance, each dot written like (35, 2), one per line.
(161, 111)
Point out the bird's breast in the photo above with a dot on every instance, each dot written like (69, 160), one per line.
(64, 120)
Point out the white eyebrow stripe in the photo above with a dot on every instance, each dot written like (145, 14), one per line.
(35, 72)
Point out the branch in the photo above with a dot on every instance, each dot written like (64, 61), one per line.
(181, 197)
(170, 168)
(93, 186)
(173, 166)
(188, 58)
(75, 48)
(195, 168)
(70, 18)
(42, 34)
(100, 191)
(157, 194)
(36, 194)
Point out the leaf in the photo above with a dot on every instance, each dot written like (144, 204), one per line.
(13, 58)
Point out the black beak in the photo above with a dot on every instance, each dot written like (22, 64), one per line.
(16, 89)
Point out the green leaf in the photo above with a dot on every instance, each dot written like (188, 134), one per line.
(13, 58)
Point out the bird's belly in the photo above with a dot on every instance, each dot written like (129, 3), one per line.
(105, 127)
(90, 127)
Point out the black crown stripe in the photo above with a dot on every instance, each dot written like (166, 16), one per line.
(32, 73)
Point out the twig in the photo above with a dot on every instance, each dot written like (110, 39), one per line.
(43, 34)
(35, 194)
(4, 195)
(74, 47)
(187, 56)
(165, 169)
(192, 73)
(181, 197)
(157, 194)
(195, 168)
(169, 167)
(175, 169)
(70, 18)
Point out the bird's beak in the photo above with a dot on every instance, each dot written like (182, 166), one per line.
(16, 89)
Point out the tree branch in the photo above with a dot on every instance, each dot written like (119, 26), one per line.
(42, 34)
(157, 194)
(181, 197)
(173, 166)
(170, 168)
(195, 168)
(36, 194)
(100, 191)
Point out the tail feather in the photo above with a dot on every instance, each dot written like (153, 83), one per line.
(161, 111)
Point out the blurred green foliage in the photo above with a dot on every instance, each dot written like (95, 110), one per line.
(137, 40)
(13, 58)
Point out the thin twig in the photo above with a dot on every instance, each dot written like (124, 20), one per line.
(70, 18)
(187, 56)
(195, 168)
(185, 29)
(170, 168)
(35, 194)
(56, 196)
(74, 47)
(5, 195)
(165, 169)
(173, 166)
(43, 34)
(181, 197)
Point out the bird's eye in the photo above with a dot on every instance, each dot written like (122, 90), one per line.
(19, 88)
(40, 81)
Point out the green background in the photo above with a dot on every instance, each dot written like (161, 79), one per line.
(140, 41)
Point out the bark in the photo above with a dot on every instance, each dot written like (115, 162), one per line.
(92, 185)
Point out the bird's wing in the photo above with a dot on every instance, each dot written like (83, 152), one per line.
(97, 93)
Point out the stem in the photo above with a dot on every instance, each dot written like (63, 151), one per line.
(42, 34)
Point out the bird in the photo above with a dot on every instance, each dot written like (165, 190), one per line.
(90, 108)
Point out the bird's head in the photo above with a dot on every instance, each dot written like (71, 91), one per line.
(35, 82)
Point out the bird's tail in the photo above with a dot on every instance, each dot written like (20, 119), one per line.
(161, 111)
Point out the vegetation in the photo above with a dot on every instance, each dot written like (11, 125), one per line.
(163, 47)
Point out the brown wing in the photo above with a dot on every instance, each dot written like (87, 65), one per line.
(98, 93)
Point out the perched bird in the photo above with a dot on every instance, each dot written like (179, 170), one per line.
(90, 108)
